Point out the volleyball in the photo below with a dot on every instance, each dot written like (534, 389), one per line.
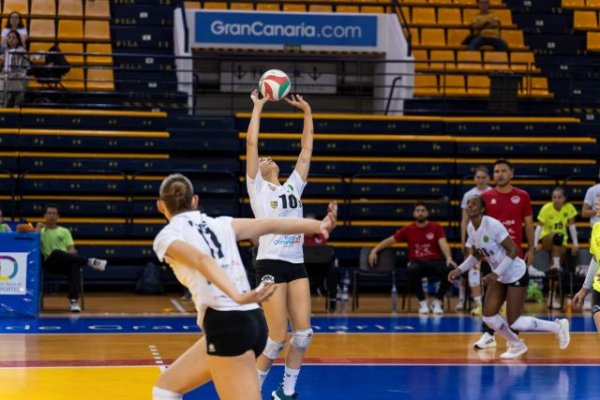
(274, 84)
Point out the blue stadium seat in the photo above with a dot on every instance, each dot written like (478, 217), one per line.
(93, 119)
(88, 161)
(9, 138)
(8, 160)
(75, 206)
(46, 182)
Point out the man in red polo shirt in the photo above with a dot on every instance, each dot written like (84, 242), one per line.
(426, 243)
(512, 207)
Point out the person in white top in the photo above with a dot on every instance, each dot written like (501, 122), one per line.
(281, 255)
(489, 240)
(14, 23)
(204, 256)
(482, 180)
(589, 211)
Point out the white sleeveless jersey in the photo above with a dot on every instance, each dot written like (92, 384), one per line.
(487, 241)
(212, 236)
(272, 201)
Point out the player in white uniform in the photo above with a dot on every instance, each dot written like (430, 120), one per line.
(204, 256)
(482, 180)
(489, 239)
(281, 255)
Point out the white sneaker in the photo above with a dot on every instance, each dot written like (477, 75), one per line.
(460, 306)
(535, 273)
(74, 306)
(423, 309)
(486, 341)
(556, 305)
(514, 350)
(436, 307)
(563, 335)
(97, 264)
(587, 303)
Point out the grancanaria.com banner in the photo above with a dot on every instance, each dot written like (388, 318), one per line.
(285, 29)
(20, 286)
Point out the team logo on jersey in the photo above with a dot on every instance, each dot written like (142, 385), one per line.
(429, 236)
(486, 239)
(515, 199)
(274, 204)
(493, 201)
(289, 188)
(273, 188)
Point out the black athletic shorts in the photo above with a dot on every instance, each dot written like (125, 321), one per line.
(282, 271)
(521, 282)
(232, 333)
(595, 302)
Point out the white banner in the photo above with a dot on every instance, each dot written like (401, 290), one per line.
(13, 273)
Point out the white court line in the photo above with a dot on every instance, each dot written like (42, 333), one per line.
(178, 306)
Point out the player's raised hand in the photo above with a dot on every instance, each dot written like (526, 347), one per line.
(257, 99)
(298, 101)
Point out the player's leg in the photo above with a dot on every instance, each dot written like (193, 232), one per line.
(235, 377)
(596, 309)
(299, 308)
(188, 372)
(487, 337)
(474, 279)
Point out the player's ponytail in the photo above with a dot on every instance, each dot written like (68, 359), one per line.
(177, 192)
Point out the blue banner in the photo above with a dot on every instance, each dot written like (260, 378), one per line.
(286, 29)
(20, 286)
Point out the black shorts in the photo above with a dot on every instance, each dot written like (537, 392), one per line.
(521, 282)
(232, 333)
(595, 302)
(485, 268)
(282, 271)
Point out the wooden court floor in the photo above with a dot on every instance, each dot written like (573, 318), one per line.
(104, 364)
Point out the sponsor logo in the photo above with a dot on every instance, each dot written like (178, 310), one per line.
(211, 348)
(274, 204)
(9, 267)
(486, 239)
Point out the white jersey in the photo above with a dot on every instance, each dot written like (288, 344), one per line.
(487, 241)
(472, 193)
(212, 236)
(590, 199)
(278, 201)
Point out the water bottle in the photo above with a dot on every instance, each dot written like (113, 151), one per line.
(425, 284)
(394, 297)
(338, 300)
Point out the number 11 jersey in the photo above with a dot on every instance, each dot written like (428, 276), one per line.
(278, 201)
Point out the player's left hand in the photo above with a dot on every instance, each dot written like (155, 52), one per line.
(450, 263)
(529, 256)
(298, 101)
(329, 222)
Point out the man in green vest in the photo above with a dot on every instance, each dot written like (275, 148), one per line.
(60, 256)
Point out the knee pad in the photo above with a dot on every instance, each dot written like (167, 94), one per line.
(272, 349)
(558, 239)
(523, 324)
(164, 394)
(474, 277)
(494, 322)
(301, 339)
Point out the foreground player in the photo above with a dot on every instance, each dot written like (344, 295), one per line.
(204, 256)
(592, 279)
(489, 239)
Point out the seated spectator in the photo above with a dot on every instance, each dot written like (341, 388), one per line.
(3, 227)
(551, 235)
(55, 66)
(426, 243)
(485, 30)
(16, 63)
(14, 23)
(60, 256)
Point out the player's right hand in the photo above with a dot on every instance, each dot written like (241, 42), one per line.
(455, 273)
(579, 297)
(254, 296)
(256, 98)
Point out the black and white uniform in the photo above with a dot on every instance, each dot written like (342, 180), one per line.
(487, 240)
(278, 255)
(231, 329)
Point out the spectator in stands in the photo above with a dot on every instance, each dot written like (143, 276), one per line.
(551, 234)
(426, 243)
(512, 207)
(16, 64)
(14, 23)
(60, 256)
(485, 30)
(589, 211)
(3, 227)
(482, 180)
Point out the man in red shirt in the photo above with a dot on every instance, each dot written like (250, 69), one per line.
(426, 243)
(512, 207)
